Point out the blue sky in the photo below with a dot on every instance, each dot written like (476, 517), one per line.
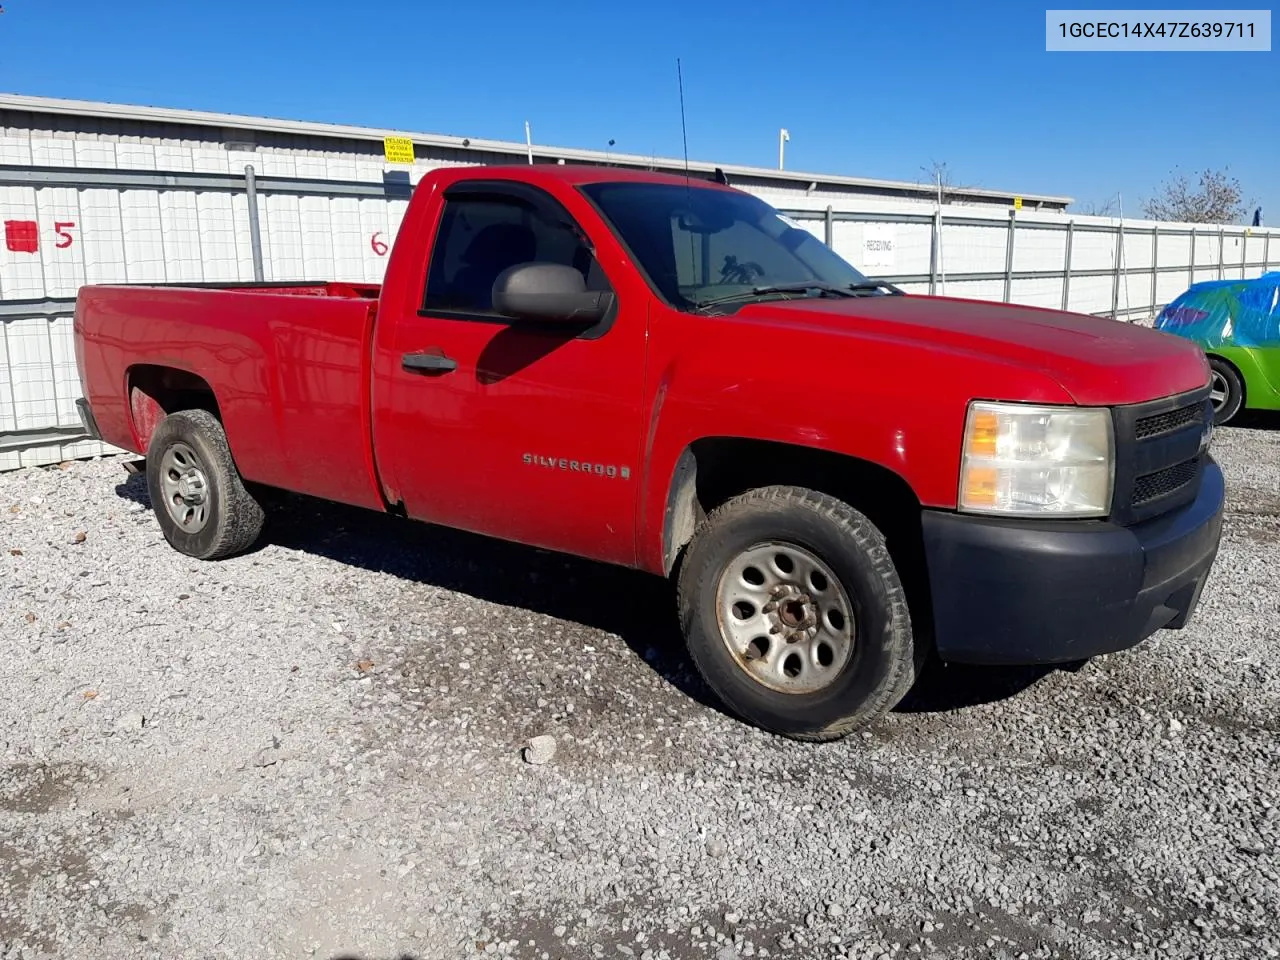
(865, 89)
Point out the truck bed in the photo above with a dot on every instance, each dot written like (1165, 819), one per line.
(289, 364)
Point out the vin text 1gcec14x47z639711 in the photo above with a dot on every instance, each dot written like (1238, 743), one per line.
(668, 375)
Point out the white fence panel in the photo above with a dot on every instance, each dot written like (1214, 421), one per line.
(216, 222)
(143, 236)
(282, 238)
(316, 226)
(376, 237)
(180, 233)
(102, 236)
(1175, 249)
(32, 372)
(1136, 252)
(21, 270)
(1036, 249)
(974, 249)
(1037, 292)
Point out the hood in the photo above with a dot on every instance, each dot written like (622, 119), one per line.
(1097, 361)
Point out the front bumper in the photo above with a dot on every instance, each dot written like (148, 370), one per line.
(1019, 592)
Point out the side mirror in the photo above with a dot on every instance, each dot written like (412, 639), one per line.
(548, 292)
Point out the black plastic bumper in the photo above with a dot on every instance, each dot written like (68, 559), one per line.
(1020, 592)
(86, 418)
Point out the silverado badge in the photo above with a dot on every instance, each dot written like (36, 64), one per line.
(578, 466)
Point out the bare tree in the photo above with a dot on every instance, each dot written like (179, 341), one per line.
(1217, 199)
(1095, 209)
(937, 173)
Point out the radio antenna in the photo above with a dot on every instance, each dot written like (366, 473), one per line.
(684, 135)
(688, 184)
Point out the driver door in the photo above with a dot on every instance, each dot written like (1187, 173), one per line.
(529, 432)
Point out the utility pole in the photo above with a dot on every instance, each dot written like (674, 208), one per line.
(783, 136)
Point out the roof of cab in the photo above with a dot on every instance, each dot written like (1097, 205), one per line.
(578, 174)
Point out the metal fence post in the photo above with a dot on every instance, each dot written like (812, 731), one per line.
(1155, 266)
(1008, 257)
(1222, 250)
(830, 227)
(1115, 285)
(934, 241)
(1191, 261)
(1066, 266)
(255, 232)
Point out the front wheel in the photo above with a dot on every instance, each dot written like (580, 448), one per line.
(795, 616)
(1226, 391)
(196, 492)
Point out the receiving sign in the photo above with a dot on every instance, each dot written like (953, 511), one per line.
(878, 241)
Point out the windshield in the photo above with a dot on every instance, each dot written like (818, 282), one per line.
(700, 244)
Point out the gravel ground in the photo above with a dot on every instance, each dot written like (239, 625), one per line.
(316, 750)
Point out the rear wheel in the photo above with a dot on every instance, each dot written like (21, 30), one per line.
(794, 614)
(1226, 390)
(196, 492)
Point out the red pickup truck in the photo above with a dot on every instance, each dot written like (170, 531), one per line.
(666, 373)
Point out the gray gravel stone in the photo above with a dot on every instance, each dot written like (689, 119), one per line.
(1039, 813)
(540, 749)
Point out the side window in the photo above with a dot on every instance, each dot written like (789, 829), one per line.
(479, 237)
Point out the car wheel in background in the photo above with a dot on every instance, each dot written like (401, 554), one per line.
(1225, 390)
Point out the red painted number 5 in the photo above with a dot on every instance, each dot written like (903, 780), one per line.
(379, 247)
(64, 238)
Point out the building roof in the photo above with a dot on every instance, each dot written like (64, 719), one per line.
(231, 122)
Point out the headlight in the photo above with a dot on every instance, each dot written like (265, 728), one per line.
(1028, 461)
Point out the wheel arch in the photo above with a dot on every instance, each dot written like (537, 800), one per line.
(157, 390)
(714, 469)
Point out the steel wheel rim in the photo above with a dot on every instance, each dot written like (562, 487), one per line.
(785, 618)
(1218, 389)
(184, 488)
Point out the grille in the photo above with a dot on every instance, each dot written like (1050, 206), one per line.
(1168, 422)
(1164, 482)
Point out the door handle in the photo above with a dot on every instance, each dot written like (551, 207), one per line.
(427, 361)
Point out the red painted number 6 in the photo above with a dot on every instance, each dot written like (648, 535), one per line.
(64, 238)
(379, 247)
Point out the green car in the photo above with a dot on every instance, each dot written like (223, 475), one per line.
(1237, 324)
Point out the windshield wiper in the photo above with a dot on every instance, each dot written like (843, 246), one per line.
(842, 290)
(802, 287)
(878, 285)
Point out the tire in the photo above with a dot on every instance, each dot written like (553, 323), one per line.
(1226, 383)
(196, 492)
(792, 688)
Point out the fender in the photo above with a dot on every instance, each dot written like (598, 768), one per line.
(1259, 370)
(739, 387)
